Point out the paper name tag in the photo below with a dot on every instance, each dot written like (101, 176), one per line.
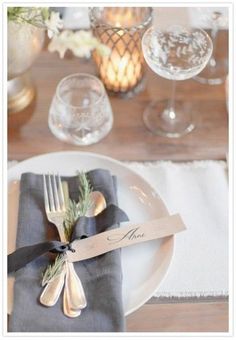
(124, 236)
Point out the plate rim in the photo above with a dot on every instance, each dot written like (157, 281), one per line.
(119, 163)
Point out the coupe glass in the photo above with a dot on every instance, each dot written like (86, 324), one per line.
(177, 53)
(217, 68)
(80, 111)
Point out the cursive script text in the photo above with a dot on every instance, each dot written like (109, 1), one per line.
(131, 235)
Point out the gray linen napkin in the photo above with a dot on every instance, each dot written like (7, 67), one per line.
(101, 276)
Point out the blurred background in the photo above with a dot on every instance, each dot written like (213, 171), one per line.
(77, 17)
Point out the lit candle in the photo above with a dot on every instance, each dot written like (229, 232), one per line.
(122, 69)
(120, 73)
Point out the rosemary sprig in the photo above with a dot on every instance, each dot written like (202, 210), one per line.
(53, 269)
(74, 211)
(85, 190)
(72, 214)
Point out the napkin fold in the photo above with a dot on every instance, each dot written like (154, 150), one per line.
(101, 276)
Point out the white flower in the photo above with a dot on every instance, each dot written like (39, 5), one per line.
(53, 24)
(103, 50)
(59, 43)
(81, 43)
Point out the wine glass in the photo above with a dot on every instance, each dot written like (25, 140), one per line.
(217, 68)
(176, 53)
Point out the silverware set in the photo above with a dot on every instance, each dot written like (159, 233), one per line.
(74, 299)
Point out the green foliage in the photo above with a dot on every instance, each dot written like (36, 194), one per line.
(72, 214)
(85, 190)
(35, 16)
(53, 269)
(75, 210)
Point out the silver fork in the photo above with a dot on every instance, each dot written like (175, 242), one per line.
(74, 298)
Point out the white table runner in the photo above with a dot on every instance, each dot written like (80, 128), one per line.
(199, 192)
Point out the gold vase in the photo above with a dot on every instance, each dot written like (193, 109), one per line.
(24, 44)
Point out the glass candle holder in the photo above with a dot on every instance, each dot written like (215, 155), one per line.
(121, 29)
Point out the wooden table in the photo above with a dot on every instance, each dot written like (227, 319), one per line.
(29, 135)
(129, 139)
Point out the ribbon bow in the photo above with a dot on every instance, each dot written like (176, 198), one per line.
(85, 227)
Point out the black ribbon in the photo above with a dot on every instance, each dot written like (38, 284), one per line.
(88, 226)
(85, 227)
(24, 255)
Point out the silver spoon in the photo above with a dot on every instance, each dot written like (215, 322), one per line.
(53, 289)
(71, 303)
(98, 204)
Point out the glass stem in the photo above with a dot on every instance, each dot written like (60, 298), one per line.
(171, 105)
(214, 35)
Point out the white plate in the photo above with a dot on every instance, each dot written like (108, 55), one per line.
(144, 265)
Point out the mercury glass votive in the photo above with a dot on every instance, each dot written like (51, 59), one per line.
(121, 29)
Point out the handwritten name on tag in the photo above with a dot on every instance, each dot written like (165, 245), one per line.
(131, 234)
(124, 236)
